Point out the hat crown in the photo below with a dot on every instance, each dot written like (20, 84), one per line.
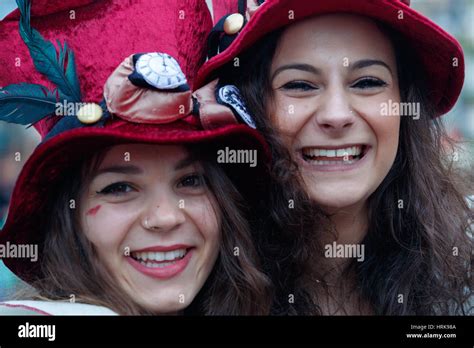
(47, 7)
(102, 34)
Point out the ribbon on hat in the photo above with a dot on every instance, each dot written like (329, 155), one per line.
(151, 88)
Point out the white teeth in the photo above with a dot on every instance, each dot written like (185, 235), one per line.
(349, 151)
(157, 265)
(159, 256)
(331, 162)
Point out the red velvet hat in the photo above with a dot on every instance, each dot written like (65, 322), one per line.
(439, 52)
(120, 73)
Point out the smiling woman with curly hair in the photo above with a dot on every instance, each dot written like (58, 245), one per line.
(351, 95)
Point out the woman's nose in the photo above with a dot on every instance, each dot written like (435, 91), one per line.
(165, 215)
(334, 114)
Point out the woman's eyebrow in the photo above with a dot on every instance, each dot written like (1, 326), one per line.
(297, 66)
(120, 169)
(364, 63)
(360, 64)
(185, 162)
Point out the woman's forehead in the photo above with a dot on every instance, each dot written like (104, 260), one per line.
(331, 35)
(137, 153)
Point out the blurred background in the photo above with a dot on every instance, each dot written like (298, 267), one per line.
(455, 16)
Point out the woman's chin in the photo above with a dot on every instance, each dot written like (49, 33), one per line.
(161, 306)
(334, 200)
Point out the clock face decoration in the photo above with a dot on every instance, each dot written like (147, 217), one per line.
(160, 70)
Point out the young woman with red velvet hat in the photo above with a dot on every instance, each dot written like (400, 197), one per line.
(126, 199)
(351, 93)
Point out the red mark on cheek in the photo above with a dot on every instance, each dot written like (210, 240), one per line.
(93, 211)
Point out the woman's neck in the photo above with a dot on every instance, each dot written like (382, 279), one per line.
(349, 227)
(337, 291)
(350, 224)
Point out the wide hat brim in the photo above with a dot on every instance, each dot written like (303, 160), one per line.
(440, 53)
(38, 181)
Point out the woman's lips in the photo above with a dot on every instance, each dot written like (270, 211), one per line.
(334, 159)
(162, 268)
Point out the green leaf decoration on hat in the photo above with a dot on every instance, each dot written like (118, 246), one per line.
(26, 103)
(58, 67)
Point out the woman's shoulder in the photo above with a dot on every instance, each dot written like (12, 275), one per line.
(51, 308)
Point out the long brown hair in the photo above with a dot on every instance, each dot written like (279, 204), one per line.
(70, 264)
(281, 239)
(423, 251)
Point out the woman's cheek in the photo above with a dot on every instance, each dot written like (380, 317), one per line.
(386, 129)
(106, 224)
(290, 114)
(391, 133)
(205, 214)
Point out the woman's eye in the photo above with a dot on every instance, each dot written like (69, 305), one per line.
(193, 180)
(117, 189)
(299, 86)
(369, 83)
